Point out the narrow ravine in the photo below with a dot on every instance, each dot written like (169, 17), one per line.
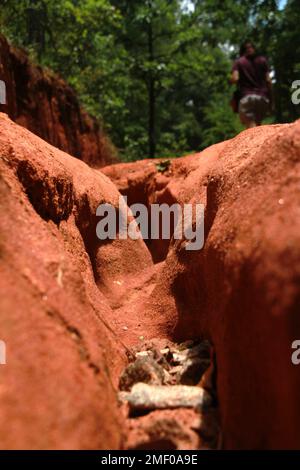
(116, 343)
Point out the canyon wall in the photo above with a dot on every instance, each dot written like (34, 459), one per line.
(63, 355)
(242, 290)
(44, 103)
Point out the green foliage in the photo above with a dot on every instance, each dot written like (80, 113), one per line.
(154, 71)
(287, 61)
(163, 165)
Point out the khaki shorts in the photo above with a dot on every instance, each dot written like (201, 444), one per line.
(253, 108)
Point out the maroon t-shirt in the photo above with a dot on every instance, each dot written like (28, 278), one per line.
(252, 75)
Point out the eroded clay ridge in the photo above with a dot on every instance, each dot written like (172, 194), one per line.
(74, 309)
(43, 103)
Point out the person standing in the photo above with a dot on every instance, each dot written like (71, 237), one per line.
(253, 97)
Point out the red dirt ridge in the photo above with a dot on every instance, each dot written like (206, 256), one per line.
(44, 103)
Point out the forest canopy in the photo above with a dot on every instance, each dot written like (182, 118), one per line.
(156, 72)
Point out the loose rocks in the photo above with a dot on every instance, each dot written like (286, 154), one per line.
(144, 369)
(151, 397)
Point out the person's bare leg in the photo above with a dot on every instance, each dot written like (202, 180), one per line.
(248, 123)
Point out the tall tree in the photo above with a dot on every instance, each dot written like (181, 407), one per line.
(155, 72)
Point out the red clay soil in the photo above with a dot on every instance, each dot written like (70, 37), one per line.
(144, 182)
(58, 388)
(73, 306)
(44, 103)
(160, 430)
(242, 290)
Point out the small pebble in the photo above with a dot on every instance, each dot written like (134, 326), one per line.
(143, 354)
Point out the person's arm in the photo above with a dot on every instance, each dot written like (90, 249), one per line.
(234, 73)
(234, 77)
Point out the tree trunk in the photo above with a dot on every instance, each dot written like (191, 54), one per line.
(36, 25)
(151, 87)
